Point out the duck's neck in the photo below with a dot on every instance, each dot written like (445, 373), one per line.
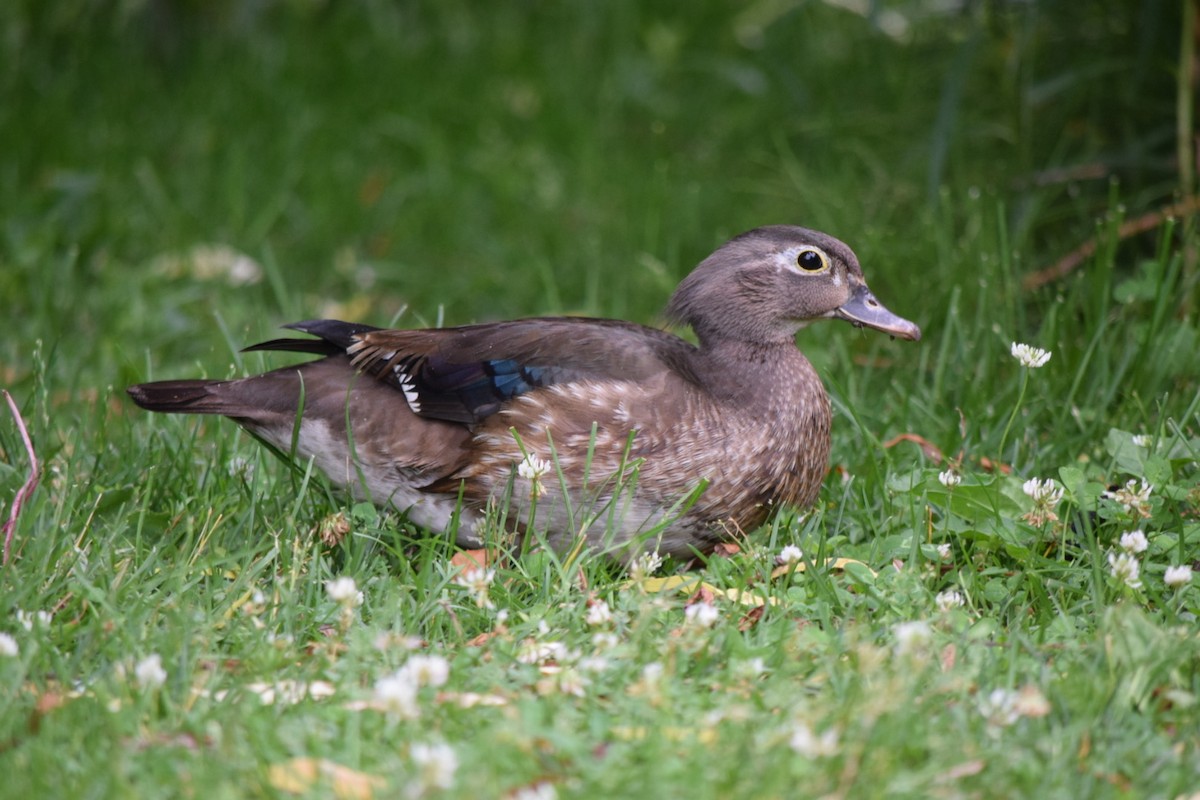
(771, 403)
(757, 376)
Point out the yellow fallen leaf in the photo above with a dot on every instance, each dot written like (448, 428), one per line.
(683, 583)
(689, 584)
(301, 775)
(237, 604)
(831, 563)
(674, 733)
(745, 597)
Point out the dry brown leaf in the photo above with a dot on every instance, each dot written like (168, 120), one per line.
(1116, 779)
(483, 638)
(1132, 227)
(992, 466)
(47, 702)
(751, 618)
(963, 770)
(931, 450)
(213, 665)
(1031, 702)
(471, 559)
(949, 657)
(726, 550)
(703, 594)
(302, 775)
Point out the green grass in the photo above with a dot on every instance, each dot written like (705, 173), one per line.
(431, 164)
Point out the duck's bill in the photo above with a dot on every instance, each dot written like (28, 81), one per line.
(862, 310)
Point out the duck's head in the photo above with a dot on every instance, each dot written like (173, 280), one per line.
(766, 284)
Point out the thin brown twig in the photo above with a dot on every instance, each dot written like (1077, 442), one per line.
(931, 450)
(1071, 261)
(31, 482)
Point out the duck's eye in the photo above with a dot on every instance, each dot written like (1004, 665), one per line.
(810, 259)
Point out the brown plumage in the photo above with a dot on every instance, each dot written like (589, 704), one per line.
(626, 435)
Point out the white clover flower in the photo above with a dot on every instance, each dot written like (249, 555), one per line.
(594, 663)
(1178, 576)
(535, 652)
(810, 745)
(947, 600)
(949, 478)
(1142, 440)
(1046, 491)
(702, 614)
(1046, 496)
(750, 668)
(344, 591)
(943, 551)
(912, 637)
(533, 469)
(999, 707)
(538, 791)
(30, 619)
(427, 670)
(149, 672)
(571, 681)
(477, 581)
(1125, 568)
(397, 694)
(1032, 357)
(1134, 542)
(1133, 497)
(333, 529)
(240, 467)
(255, 604)
(790, 554)
(652, 673)
(436, 765)
(645, 565)
(605, 640)
(8, 646)
(598, 614)
(402, 641)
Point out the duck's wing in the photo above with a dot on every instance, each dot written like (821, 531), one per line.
(466, 374)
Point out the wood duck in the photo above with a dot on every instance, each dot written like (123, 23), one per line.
(626, 436)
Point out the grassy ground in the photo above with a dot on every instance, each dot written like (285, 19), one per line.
(170, 632)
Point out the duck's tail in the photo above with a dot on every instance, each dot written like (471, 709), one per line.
(181, 397)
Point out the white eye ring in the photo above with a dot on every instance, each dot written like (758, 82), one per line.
(808, 265)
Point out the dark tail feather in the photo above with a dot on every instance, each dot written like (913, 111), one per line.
(333, 331)
(335, 337)
(317, 347)
(251, 398)
(180, 397)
